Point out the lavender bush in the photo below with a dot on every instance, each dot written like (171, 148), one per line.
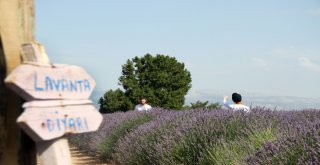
(188, 140)
(200, 136)
(298, 142)
(101, 142)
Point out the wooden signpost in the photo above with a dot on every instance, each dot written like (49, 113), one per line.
(46, 123)
(35, 81)
(57, 104)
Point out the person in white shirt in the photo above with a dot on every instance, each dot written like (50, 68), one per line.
(143, 106)
(237, 99)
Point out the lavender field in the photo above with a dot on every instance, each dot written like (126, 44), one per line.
(200, 136)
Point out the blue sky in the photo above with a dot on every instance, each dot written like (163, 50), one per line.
(261, 48)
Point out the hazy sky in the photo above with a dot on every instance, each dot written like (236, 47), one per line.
(262, 47)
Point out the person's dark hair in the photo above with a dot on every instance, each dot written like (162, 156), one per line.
(142, 98)
(236, 97)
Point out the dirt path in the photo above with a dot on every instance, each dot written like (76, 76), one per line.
(81, 158)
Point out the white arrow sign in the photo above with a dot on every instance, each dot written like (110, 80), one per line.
(50, 82)
(46, 123)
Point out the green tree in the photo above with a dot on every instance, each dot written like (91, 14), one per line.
(161, 79)
(114, 101)
(199, 104)
(215, 105)
(204, 105)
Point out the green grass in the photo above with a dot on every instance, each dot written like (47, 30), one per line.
(234, 152)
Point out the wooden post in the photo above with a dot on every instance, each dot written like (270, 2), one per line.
(16, 27)
(54, 152)
(57, 103)
(16, 46)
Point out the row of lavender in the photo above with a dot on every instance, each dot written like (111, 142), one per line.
(206, 137)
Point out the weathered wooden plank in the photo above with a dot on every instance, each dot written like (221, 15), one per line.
(16, 27)
(54, 152)
(47, 123)
(50, 82)
(55, 103)
(34, 52)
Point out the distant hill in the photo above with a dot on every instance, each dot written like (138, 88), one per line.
(278, 102)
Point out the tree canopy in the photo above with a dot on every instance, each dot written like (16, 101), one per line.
(161, 79)
(113, 101)
(204, 105)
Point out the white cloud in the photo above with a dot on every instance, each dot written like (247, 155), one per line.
(315, 12)
(308, 64)
(259, 62)
(290, 51)
(301, 55)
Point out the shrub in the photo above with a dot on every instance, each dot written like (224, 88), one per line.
(219, 136)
